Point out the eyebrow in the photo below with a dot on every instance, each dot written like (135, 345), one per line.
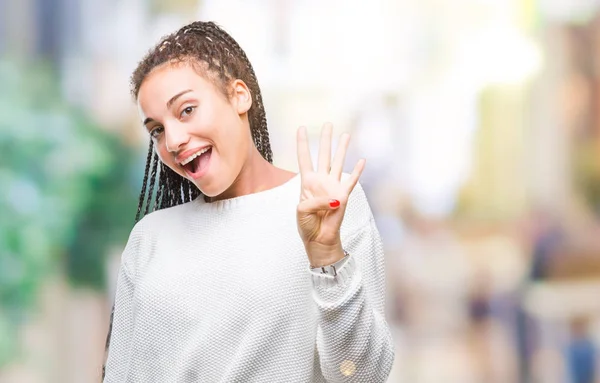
(174, 98)
(169, 103)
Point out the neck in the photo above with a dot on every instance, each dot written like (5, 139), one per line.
(257, 175)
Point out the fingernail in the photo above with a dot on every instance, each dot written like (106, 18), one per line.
(334, 203)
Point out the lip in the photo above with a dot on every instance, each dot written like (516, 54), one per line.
(202, 172)
(181, 157)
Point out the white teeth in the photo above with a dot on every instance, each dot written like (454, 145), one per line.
(190, 158)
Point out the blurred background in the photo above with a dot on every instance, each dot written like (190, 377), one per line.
(480, 121)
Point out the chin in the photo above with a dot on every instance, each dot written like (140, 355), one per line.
(211, 191)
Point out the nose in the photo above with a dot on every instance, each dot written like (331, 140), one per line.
(175, 137)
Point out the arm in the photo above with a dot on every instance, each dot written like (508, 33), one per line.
(353, 338)
(122, 325)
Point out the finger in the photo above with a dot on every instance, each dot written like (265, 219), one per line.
(355, 175)
(337, 167)
(304, 162)
(325, 149)
(313, 205)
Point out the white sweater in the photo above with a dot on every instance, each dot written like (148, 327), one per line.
(223, 292)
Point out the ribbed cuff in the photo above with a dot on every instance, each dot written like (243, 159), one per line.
(329, 290)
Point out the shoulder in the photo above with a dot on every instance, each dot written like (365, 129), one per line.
(156, 221)
(147, 231)
(149, 228)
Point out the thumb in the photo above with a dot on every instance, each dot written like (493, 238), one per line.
(313, 205)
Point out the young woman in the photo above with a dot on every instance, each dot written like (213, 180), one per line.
(243, 272)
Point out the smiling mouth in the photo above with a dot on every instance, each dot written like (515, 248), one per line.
(197, 164)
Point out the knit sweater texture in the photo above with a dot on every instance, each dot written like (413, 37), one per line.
(223, 292)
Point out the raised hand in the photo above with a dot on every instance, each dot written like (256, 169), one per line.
(324, 196)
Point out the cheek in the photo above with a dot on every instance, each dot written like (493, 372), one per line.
(166, 157)
(238, 144)
(233, 138)
(161, 151)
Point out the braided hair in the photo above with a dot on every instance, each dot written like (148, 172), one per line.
(217, 56)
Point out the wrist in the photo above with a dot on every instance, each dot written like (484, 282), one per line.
(320, 255)
(331, 269)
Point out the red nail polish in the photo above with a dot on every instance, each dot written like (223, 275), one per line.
(334, 203)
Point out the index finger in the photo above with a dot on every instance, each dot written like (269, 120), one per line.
(304, 161)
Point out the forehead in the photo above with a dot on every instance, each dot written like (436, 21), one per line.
(169, 79)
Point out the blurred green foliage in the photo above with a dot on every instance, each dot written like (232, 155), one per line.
(68, 194)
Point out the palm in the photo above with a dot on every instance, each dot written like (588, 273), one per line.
(318, 223)
(320, 226)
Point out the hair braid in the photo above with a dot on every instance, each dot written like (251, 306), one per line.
(153, 180)
(145, 181)
(106, 347)
(158, 203)
(167, 197)
(176, 191)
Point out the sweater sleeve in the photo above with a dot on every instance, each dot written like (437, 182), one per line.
(119, 352)
(354, 342)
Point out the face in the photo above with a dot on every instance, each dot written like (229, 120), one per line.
(198, 132)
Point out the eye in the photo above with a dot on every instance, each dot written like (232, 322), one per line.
(187, 111)
(154, 133)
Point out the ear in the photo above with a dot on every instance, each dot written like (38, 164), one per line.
(241, 96)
